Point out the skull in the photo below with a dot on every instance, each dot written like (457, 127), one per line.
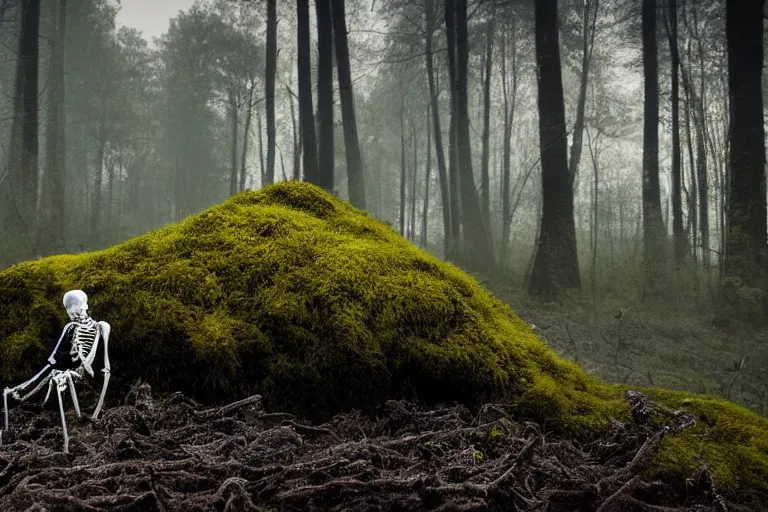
(76, 303)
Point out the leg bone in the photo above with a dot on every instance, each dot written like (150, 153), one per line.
(74, 395)
(63, 419)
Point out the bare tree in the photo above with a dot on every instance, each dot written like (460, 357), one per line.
(52, 204)
(555, 266)
(746, 256)
(355, 171)
(325, 144)
(306, 115)
(478, 250)
(653, 229)
(269, 89)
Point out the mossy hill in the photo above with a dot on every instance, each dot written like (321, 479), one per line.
(293, 294)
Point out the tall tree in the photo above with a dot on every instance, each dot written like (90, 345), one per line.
(746, 256)
(269, 89)
(678, 233)
(556, 266)
(429, 11)
(478, 251)
(21, 200)
(510, 101)
(485, 200)
(454, 238)
(325, 148)
(306, 115)
(588, 30)
(355, 171)
(53, 203)
(653, 228)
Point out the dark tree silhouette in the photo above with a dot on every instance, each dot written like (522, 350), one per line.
(746, 237)
(653, 228)
(555, 266)
(20, 204)
(52, 204)
(678, 232)
(355, 171)
(325, 147)
(269, 89)
(306, 115)
(477, 248)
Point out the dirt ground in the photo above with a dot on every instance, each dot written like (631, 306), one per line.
(678, 347)
(172, 454)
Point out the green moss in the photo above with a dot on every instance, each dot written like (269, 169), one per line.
(292, 293)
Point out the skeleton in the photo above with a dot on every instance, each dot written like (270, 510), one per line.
(84, 337)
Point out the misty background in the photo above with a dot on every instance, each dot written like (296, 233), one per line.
(607, 182)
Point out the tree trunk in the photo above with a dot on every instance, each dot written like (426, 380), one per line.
(478, 250)
(260, 134)
(402, 161)
(429, 6)
(53, 204)
(325, 146)
(678, 233)
(21, 187)
(96, 204)
(269, 91)
(246, 137)
(588, 43)
(555, 267)
(745, 257)
(233, 144)
(296, 140)
(415, 149)
(427, 179)
(509, 119)
(485, 181)
(653, 229)
(307, 117)
(355, 171)
(454, 238)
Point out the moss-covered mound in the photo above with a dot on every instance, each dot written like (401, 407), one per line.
(293, 294)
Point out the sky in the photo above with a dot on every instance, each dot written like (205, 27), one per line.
(151, 17)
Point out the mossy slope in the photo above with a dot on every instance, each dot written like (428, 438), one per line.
(294, 294)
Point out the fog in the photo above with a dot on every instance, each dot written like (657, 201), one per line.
(624, 252)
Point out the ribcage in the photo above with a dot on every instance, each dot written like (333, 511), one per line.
(84, 342)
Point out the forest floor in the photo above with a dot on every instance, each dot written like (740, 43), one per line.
(168, 453)
(676, 346)
(171, 454)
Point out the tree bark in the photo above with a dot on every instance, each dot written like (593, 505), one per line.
(653, 229)
(454, 239)
(20, 204)
(296, 139)
(325, 144)
(427, 181)
(306, 115)
(588, 43)
(402, 161)
(485, 181)
(429, 6)
(509, 119)
(678, 233)
(355, 170)
(246, 137)
(478, 250)
(53, 204)
(555, 267)
(269, 90)
(414, 174)
(233, 144)
(745, 259)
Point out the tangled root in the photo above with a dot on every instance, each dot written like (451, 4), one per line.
(174, 455)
